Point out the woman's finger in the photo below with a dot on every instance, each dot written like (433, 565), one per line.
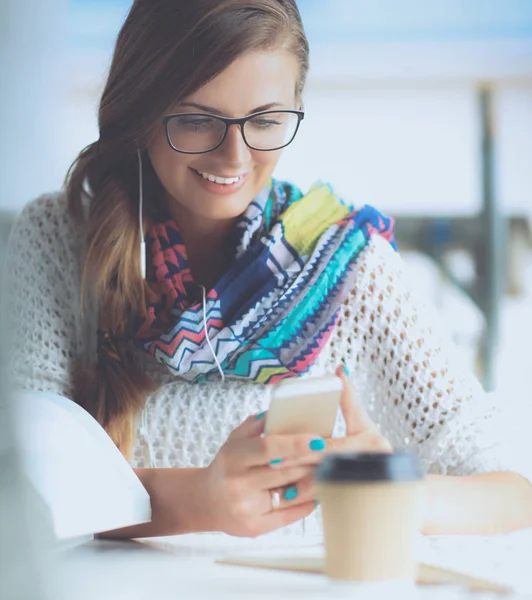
(274, 450)
(368, 441)
(299, 492)
(356, 418)
(253, 426)
(266, 478)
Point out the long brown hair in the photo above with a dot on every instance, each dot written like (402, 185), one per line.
(166, 50)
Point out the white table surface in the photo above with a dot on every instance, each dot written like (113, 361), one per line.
(184, 566)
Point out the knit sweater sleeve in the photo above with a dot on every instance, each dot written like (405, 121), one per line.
(41, 297)
(406, 370)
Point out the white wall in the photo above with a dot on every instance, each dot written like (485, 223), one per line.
(413, 149)
(406, 150)
(514, 112)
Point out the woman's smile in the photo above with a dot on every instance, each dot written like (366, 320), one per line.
(219, 184)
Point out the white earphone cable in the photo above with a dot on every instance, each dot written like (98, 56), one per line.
(207, 335)
(141, 202)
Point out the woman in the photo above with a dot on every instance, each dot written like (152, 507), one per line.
(170, 331)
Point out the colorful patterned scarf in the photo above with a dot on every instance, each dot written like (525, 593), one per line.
(272, 312)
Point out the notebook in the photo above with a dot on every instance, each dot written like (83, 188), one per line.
(84, 482)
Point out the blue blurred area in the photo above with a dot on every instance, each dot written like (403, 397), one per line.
(93, 24)
(416, 20)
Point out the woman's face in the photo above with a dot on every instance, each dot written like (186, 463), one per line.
(254, 82)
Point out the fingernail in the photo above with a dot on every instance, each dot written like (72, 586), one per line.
(346, 370)
(316, 504)
(276, 461)
(317, 444)
(260, 415)
(290, 493)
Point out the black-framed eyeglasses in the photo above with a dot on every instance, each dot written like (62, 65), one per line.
(197, 133)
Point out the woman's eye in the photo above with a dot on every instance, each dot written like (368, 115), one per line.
(194, 123)
(264, 123)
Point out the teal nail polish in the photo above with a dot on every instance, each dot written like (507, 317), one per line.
(276, 461)
(260, 415)
(346, 370)
(290, 493)
(317, 445)
(316, 504)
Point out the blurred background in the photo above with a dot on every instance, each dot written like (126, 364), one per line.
(422, 108)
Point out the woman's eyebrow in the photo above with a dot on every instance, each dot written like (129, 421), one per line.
(215, 111)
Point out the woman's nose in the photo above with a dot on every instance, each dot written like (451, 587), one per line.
(234, 147)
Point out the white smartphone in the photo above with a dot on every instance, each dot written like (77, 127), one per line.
(304, 405)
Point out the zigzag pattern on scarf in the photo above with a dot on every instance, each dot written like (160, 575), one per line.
(257, 363)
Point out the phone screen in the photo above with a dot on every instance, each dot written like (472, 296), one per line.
(305, 405)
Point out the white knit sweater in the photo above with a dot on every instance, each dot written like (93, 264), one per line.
(402, 365)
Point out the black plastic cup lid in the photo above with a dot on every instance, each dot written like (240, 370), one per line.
(400, 466)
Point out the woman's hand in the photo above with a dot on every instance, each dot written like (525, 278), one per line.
(362, 435)
(248, 494)
(251, 472)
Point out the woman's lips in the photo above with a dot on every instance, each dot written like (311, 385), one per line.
(221, 188)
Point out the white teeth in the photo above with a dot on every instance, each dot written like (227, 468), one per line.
(220, 180)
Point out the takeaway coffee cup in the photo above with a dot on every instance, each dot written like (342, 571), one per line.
(371, 506)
